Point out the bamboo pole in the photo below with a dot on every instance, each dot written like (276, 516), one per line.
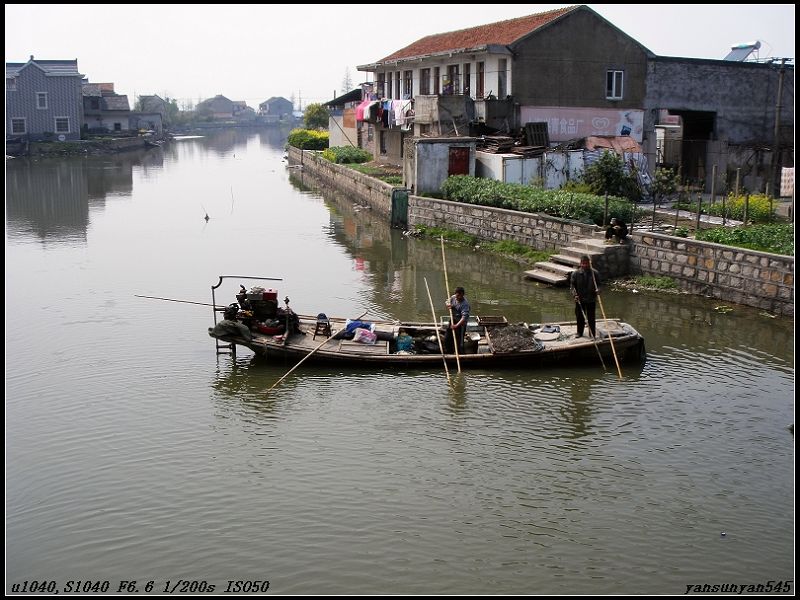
(447, 288)
(436, 329)
(603, 310)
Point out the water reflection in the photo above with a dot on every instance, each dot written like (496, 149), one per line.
(51, 197)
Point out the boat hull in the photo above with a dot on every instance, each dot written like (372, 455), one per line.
(614, 338)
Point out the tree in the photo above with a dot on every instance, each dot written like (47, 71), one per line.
(316, 117)
(665, 182)
(347, 82)
(607, 176)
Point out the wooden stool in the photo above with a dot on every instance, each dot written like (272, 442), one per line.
(322, 328)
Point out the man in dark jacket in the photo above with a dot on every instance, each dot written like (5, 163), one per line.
(583, 284)
(617, 231)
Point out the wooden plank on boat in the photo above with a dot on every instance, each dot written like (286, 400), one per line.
(350, 346)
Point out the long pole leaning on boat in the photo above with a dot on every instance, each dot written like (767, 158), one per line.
(173, 300)
(603, 310)
(447, 289)
(302, 360)
(436, 330)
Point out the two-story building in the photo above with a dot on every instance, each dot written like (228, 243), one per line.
(568, 67)
(573, 70)
(276, 109)
(221, 108)
(43, 100)
(104, 110)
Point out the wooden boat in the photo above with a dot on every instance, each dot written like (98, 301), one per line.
(490, 342)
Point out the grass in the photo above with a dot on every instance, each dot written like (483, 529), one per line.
(508, 248)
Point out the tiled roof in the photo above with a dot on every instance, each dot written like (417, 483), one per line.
(67, 68)
(501, 33)
(116, 102)
(90, 89)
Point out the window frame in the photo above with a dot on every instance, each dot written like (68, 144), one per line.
(24, 125)
(41, 96)
(55, 125)
(615, 78)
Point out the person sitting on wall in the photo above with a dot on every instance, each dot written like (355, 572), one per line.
(617, 232)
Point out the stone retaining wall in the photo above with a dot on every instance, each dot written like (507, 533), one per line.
(748, 277)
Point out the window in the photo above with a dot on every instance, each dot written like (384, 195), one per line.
(397, 85)
(41, 99)
(117, 126)
(467, 75)
(62, 124)
(408, 88)
(383, 141)
(436, 80)
(452, 84)
(389, 85)
(381, 85)
(94, 103)
(479, 86)
(424, 81)
(18, 126)
(502, 81)
(614, 85)
(11, 84)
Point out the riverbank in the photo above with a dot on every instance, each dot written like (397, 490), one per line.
(759, 279)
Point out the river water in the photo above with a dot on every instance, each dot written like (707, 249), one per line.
(134, 452)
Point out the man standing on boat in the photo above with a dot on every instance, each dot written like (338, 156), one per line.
(583, 284)
(459, 309)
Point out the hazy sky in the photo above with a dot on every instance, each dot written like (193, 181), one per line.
(252, 52)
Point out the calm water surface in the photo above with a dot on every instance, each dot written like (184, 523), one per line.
(133, 452)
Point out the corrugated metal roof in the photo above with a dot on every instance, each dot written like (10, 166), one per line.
(351, 96)
(501, 33)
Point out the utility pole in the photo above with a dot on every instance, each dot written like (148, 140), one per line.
(775, 179)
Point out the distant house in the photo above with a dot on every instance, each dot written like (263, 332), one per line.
(104, 110)
(43, 100)
(153, 104)
(342, 127)
(218, 107)
(276, 108)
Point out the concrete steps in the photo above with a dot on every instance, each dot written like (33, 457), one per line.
(556, 271)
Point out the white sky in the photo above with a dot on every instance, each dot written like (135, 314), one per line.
(252, 52)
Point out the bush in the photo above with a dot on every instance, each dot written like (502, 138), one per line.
(758, 208)
(307, 139)
(586, 208)
(607, 175)
(346, 155)
(778, 239)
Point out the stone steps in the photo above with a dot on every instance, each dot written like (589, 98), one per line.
(608, 259)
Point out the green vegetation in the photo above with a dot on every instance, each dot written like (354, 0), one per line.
(777, 238)
(607, 176)
(517, 250)
(378, 172)
(655, 283)
(508, 248)
(586, 208)
(316, 116)
(682, 231)
(759, 208)
(346, 154)
(307, 139)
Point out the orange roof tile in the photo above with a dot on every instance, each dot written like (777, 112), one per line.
(501, 33)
